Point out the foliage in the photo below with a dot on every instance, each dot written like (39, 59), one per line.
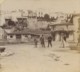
(11, 23)
(46, 17)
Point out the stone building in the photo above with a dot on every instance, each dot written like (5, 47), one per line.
(26, 35)
(62, 28)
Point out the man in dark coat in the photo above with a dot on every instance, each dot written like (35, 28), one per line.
(50, 41)
(42, 41)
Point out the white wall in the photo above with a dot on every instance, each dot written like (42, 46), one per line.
(71, 37)
(24, 39)
(13, 39)
(57, 37)
(1, 33)
(76, 25)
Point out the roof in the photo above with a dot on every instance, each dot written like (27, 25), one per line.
(22, 18)
(78, 14)
(62, 23)
(59, 30)
(29, 31)
(6, 27)
(64, 28)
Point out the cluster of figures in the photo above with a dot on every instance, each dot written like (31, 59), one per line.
(49, 41)
(42, 41)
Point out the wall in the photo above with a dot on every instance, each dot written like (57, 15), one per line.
(71, 37)
(32, 23)
(24, 38)
(1, 33)
(76, 25)
(10, 30)
(13, 39)
(57, 37)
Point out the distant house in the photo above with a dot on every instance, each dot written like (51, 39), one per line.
(25, 35)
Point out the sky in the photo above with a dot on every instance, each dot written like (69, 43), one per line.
(67, 6)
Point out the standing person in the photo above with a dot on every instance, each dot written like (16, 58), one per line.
(63, 39)
(78, 40)
(50, 41)
(36, 42)
(42, 41)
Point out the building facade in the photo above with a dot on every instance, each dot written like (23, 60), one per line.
(76, 22)
(66, 29)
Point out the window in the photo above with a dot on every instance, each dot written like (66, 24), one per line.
(11, 36)
(18, 36)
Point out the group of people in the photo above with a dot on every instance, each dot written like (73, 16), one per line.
(42, 41)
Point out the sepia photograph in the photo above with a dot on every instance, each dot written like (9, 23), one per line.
(39, 35)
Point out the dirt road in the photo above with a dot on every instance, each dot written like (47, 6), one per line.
(27, 58)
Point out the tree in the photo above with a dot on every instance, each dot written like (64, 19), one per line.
(11, 23)
(52, 19)
(47, 17)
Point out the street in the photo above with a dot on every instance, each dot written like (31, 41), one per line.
(27, 58)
